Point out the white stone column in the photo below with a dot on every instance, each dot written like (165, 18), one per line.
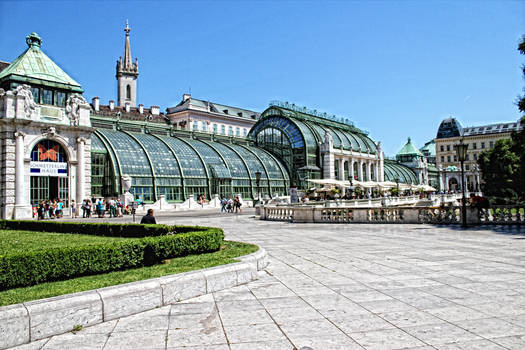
(81, 169)
(368, 175)
(360, 170)
(351, 170)
(341, 169)
(19, 168)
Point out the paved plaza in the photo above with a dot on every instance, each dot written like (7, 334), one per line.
(332, 286)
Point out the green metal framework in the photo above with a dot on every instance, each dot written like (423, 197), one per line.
(294, 136)
(404, 174)
(178, 167)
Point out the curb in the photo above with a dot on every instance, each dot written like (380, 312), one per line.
(34, 320)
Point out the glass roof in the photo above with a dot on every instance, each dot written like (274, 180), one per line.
(97, 145)
(286, 126)
(271, 164)
(254, 165)
(212, 159)
(163, 161)
(189, 160)
(131, 156)
(395, 170)
(234, 162)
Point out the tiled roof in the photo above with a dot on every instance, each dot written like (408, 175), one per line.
(492, 128)
(133, 114)
(35, 67)
(207, 106)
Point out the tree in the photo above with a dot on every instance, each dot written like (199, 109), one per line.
(503, 167)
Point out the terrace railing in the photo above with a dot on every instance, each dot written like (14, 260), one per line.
(403, 215)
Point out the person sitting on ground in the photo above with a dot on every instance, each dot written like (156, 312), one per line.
(148, 218)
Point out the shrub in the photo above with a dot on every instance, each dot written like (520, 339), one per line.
(37, 266)
(98, 229)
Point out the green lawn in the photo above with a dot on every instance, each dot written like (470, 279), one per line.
(25, 240)
(22, 241)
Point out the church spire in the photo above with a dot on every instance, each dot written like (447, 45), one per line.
(127, 73)
(127, 50)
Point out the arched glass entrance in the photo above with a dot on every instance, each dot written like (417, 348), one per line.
(49, 172)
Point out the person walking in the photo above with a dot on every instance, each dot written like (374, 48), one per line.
(88, 208)
(148, 218)
(73, 209)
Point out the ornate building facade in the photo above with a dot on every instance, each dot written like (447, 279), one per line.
(45, 131)
(478, 139)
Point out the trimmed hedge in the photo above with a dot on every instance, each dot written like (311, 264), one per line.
(37, 266)
(98, 229)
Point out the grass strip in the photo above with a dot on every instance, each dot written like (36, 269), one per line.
(226, 255)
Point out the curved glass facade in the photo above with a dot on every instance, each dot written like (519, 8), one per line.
(294, 137)
(395, 171)
(178, 167)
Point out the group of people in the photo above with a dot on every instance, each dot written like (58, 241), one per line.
(229, 205)
(114, 207)
(50, 209)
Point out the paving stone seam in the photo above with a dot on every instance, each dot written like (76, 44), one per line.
(300, 297)
(79, 311)
(376, 314)
(273, 319)
(220, 319)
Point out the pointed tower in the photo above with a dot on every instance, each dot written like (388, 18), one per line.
(127, 74)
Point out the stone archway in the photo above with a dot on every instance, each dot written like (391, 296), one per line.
(453, 184)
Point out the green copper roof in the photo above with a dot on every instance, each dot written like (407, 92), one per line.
(429, 147)
(34, 67)
(409, 150)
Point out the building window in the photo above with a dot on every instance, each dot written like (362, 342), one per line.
(36, 94)
(60, 99)
(455, 158)
(448, 148)
(475, 156)
(483, 145)
(448, 159)
(128, 92)
(474, 146)
(491, 144)
(195, 126)
(467, 167)
(244, 132)
(230, 131)
(47, 97)
(214, 128)
(203, 126)
(442, 148)
(237, 132)
(223, 129)
(442, 159)
(467, 157)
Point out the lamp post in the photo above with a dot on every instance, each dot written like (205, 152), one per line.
(351, 189)
(257, 182)
(461, 152)
(397, 185)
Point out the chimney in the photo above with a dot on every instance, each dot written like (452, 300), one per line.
(127, 106)
(186, 97)
(96, 103)
(155, 110)
(111, 105)
(141, 108)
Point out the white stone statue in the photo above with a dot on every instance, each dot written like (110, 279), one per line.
(126, 183)
(73, 104)
(328, 138)
(24, 90)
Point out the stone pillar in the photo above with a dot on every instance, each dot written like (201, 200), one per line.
(341, 169)
(351, 170)
(19, 168)
(360, 170)
(22, 208)
(81, 169)
(368, 173)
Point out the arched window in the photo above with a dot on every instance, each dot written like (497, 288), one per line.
(128, 92)
(48, 151)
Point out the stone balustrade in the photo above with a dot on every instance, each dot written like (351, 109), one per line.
(394, 214)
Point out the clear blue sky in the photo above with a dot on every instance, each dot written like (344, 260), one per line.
(396, 69)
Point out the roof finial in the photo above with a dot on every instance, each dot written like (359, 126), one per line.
(409, 139)
(33, 40)
(127, 29)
